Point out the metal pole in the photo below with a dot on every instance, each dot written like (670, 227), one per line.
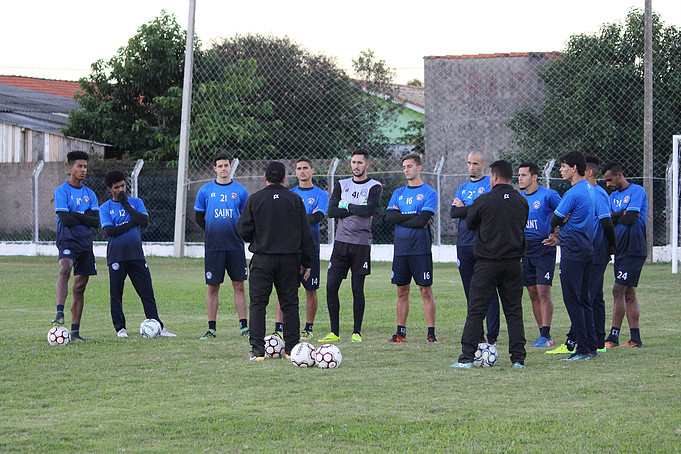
(134, 178)
(547, 173)
(36, 175)
(675, 205)
(181, 195)
(332, 222)
(235, 164)
(648, 123)
(438, 172)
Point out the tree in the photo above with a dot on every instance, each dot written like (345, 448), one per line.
(594, 97)
(415, 83)
(414, 134)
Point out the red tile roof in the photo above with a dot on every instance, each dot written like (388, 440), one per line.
(512, 54)
(63, 88)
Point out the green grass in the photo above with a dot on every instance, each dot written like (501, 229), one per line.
(186, 395)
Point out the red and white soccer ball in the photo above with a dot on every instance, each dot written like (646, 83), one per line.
(58, 335)
(274, 346)
(328, 356)
(303, 355)
(150, 328)
(486, 355)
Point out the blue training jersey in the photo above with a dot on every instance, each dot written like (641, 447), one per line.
(316, 200)
(542, 203)
(413, 200)
(602, 211)
(631, 239)
(576, 235)
(467, 193)
(67, 198)
(222, 204)
(128, 245)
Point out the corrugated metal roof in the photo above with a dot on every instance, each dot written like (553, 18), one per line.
(34, 109)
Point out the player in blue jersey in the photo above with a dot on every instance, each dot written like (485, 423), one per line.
(539, 263)
(629, 205)
(316, 202)
(121, 219)
(575, 216)
(411, 208)
(77, 213)
(465, 244)
(217, 209)
(604, 244)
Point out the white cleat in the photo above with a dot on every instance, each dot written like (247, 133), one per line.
(166, 333)
(122, 333)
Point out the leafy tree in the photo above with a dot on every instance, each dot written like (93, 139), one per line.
(415, 83)
(414, 134)
(594, 97)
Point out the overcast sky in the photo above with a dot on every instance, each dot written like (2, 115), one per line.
(61, 38)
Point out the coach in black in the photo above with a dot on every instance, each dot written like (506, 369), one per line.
(499, 219)
(275, 222)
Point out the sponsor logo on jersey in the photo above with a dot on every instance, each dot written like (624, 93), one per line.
(86, 198)
(536, 204)
(481, 190)
(233, 195)
(626, 199)
(212, 194)
(310, 201)
(115, 266)
(364, 192)
(419, 197)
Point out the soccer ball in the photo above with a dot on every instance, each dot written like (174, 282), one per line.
(303, 355)
(274, 346)
(486, 355)
(328, 356)
(150, 328)
(58, 335)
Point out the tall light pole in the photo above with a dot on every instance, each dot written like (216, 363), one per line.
(648, 122)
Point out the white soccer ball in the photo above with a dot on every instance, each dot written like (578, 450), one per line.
(274, 346)
(150, 328)
(303, 355)
(486, 355)
(328, 356)
(58, 335)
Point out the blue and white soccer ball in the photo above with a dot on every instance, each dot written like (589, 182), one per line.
(303, 355)
(486, 355)
(328, 356)
(274, 346)
(150, 328)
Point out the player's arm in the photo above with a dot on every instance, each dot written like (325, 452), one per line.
(556, 220)
(394, 216)
(458, 212)
(419, 221)
(371, 206)
(625, 217)
(138, 218)
(111, 230)
(246, 224)
(609, 232)
(315, 218)
(334, 210)
(72, 218)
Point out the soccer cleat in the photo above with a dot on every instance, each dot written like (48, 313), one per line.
(577, 357)
(279, 334)
(562, 349)
(633, 344)
(611, 344)
(331, 337)
(75, 336)
(287, 356)
(602, 350)
(459, 365)
(210, 334)
(430, 339)
(166, 333)
(58, 319)
(356, 337)
(518, 365)
(307, 335)
(245, 332)
(492, 341)
(122, 333)
(397, 338)
(531, 344)
(542, 342)
(255, 357)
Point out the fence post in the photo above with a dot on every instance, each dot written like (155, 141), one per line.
(675, 204)
(331, 175)
(548, 167)
(134, 190)
(438, 173)
(235, 164)
(36, 175)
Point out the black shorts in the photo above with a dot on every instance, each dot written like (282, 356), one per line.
(539, 270)
(420, 267)
(83, 261)
(312, 283)
(628, 270)
(346, 256)
(216, 262)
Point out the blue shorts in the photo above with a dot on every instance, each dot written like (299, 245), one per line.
(420, 267)
(217, 262)
(539, 270)
(628, 270)
(83, 261)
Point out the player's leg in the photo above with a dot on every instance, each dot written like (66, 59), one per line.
(401, 277)
(421, 269)
(311, 300)
(83, 268)
(483, 285)
(140, 276)
(311, 306)
(571, 279)
(62, 287)
(586, 304)
(466, 262)
(278, 321)
(338, 270)
(510, 284)
(117, 275)
(597, 302)
(530, 283)
(633, 311)
(259, 290)
(492, 319)
(237, 269)
(618, 305)
(361, 268)
(286, 283)
(214, 265)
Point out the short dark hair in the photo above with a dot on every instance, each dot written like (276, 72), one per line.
(613, 167)
(364, 152)
(502, 169)
(415, 156)
(592, 163)
(113, 177)
(305, 159)
(275, 172)
(575, 158)
(74, 156)
(531, 165)
(222, 156)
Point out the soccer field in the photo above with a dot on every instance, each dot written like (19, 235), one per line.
(187, 395)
